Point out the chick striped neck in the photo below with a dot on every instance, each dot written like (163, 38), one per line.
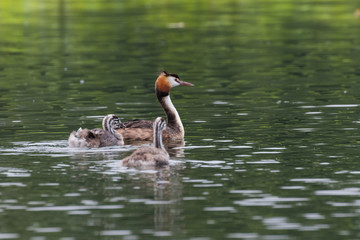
(157, 138)
(109, 121)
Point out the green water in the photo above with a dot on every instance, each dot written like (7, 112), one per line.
(272, 123)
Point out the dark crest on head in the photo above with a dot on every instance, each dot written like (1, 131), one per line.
(170, 74)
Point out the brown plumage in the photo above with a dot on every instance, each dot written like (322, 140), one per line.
(150, 156)
(141, 130)
(108, 136)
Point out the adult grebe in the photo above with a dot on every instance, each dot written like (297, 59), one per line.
(108, 136)
(140, 130)
(150, 156)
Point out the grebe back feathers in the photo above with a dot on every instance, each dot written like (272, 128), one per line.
(108, 136)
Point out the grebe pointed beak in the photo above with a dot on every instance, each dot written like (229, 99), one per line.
(185, 83)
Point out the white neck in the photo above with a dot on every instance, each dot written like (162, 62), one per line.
(173, 116)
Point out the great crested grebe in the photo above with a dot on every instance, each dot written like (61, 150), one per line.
(108, 136)
(141, 130)
(150, 156)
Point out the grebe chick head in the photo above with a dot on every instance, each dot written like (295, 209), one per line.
(111, 122)
(166, 81)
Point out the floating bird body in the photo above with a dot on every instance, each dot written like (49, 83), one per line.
(94, 138)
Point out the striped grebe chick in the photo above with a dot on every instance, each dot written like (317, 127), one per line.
(141, 130)
(150, 156)
(108, 136)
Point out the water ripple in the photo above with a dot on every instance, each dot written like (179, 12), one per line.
(340, 105)
(240, 146)
(195, 147)
(12, 184)
(246, 192)
(45, 229)
(341, 192)
(268, 201)
(332, 106)
(9, 235)
(282, 223)
(208, 185)
(305, 129)
(72, 208)
(313, 180)
(313, 113)
(313, 216)
(293, 187)
(243, 235)
(264, 161)
(55, 149)
(220, 209)
(115, 233)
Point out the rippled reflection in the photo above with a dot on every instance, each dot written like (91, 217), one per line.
(272, 123)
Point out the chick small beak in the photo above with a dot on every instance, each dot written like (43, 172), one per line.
(185, 83)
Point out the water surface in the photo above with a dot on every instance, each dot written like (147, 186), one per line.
(271, 145)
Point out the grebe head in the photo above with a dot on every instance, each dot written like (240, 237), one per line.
(166, 81)
(111, 122)
(159, 124)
